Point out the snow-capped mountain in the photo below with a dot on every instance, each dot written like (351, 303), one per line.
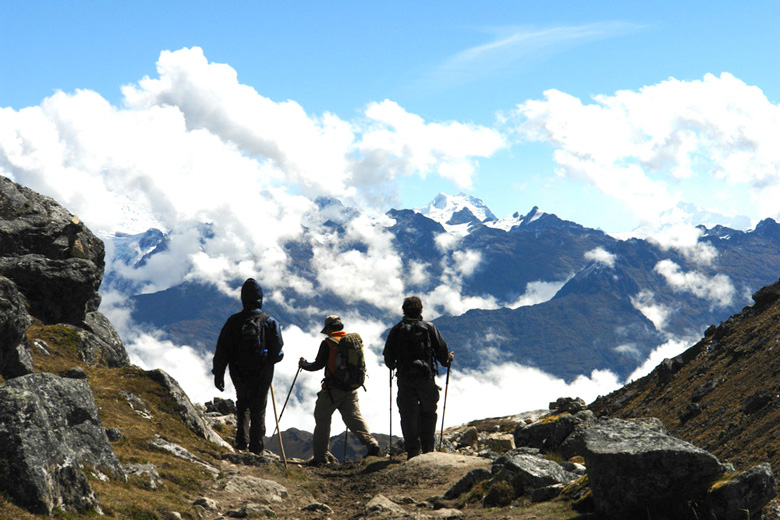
(457, 213)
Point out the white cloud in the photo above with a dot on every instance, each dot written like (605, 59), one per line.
(645, 303)
(718, 289)
(601, 256)
(672, 347)
(694, 141)
(538, 292)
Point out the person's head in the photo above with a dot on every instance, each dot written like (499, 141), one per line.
(251, 294)
(412, 307)
(332, 324)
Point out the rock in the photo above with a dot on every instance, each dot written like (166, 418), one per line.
(767, 295)
(382, 507)
(207, 503)
(112, 352)
(317, 507)
(468, 438)
(147, 471)
(221, 406)
(703, 389)
(447, 513)
(633, 469)
(114, 434)
(547, 493)
(574, 445)
(531, 471)
(15, 356)
(500, 443)
(55, 261)
(756, 401)
(183, 453)
(568, 405)
(49, 426)
(438, 460)
(252, 511)
(266, 491)
(75, 373)
(186, 410)
(467, 482)
(731, 497)
(548, 433)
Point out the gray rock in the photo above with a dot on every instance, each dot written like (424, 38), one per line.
(750, 491)
(114, 434)
(468, 438)
(266, 491)
(548, 433)
(56, 262)
(547, 493)
(467, 482)
(183, 453)
(531, 471)
(112, 351)
(317, 507)
(186, 410)
(49, 426)
(147, 471)
(207, 503)
(15, 356)
(382, 507)
(75, 373)
(569, 405)
(633, 467)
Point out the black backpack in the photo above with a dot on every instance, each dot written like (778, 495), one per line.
(252, 352)
(350, 367)
(415, 356)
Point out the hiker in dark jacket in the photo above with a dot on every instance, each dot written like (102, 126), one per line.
(413, 348)
(332, 397)
(251, 374)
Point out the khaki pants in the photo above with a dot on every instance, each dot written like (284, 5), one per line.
(346, 402)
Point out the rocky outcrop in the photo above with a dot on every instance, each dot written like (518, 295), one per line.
(15, 357)
(50, 429)
(54, 260)
(191, 417)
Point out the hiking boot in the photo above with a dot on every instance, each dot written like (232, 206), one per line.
(316, 463)
(373, 451)
(411, 454)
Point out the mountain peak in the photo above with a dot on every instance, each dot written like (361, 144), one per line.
(457, 209)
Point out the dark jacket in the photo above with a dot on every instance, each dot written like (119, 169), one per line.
(396, 343)
(230, 336)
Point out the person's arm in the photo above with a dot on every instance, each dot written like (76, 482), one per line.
(391, 349)
(222, 355)
(319, 362)
(440, 346)
(275, 341)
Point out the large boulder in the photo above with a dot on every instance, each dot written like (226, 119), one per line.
(112, 351)
(634, 468)
(55, 261)
(49, 429)
(15, 357)
(188, 413)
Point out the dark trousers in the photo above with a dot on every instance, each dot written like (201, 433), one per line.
(251, 401)
(417, 399)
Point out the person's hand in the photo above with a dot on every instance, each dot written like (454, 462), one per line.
(219, 382)
(451, 356)
(301, 362)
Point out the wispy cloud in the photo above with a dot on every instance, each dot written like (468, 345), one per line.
(513, 46)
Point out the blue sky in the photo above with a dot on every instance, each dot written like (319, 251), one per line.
(442, 61)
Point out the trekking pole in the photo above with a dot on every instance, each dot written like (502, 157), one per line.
(288, 398)
(281, 446)
(390, 440)
(444, 408)
(346, 434)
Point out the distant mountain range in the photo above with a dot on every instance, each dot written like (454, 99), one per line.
(568, 299)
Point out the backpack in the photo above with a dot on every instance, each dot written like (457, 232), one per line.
(415, 356)
(350, 368)
(251, 352)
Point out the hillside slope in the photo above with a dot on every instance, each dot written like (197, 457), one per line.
(722, 394)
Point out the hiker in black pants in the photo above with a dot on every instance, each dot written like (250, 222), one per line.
(250, 343)
(414, 347)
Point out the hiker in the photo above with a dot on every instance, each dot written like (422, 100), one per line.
(413, 348)
(339, 391)
(250, 343)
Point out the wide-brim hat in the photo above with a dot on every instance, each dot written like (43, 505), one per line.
(329, 321)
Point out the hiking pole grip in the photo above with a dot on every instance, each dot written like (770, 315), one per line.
(444, 407)
(287, 399)
(281, 446)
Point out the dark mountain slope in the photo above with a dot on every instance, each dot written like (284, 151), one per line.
(722, 394)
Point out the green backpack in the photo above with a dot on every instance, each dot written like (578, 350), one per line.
(350, 366)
